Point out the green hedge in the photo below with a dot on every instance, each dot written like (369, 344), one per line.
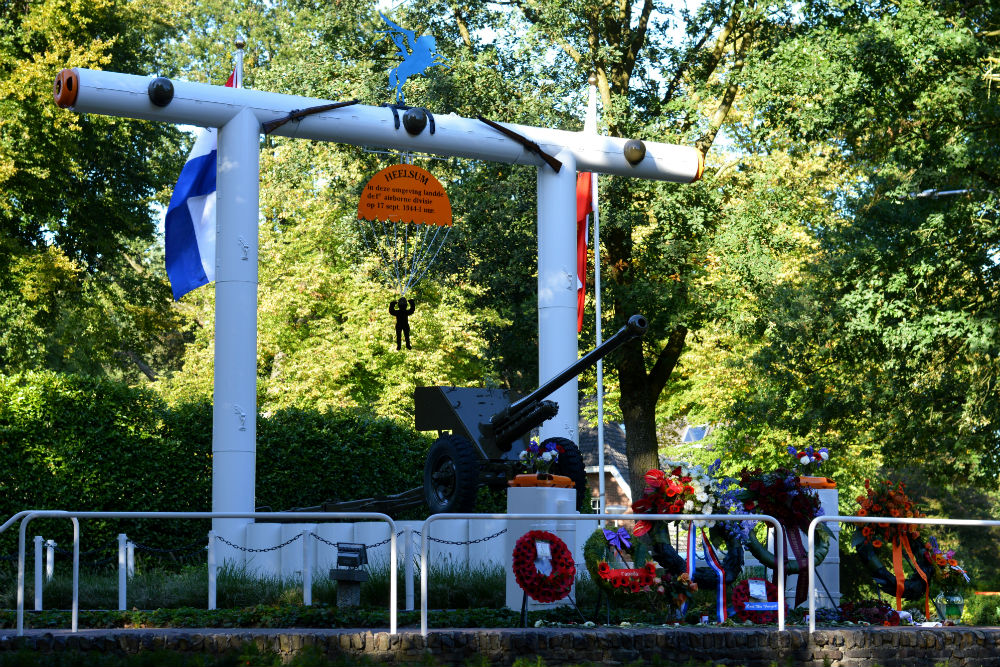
(82, 443)
(305, 457)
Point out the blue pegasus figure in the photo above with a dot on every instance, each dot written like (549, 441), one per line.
(418, 54)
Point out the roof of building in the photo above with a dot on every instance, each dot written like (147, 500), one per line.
(614, 442)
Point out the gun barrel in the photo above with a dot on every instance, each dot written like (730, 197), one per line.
(635, 328)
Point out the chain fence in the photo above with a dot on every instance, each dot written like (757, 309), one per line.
(189, 552)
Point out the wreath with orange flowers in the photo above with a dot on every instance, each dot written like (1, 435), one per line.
(543, 588)
(872, 540)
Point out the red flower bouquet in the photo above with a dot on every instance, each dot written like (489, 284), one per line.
(681, 489)
(779, 494)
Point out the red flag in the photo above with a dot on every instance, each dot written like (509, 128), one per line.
(233, 81)
(584, 206)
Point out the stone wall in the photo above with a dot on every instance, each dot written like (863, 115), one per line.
(751, 647)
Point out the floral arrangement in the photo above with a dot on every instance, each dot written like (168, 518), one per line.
(944, 569)
(543, 587)
(869, 612)
(620, 564)
(681, 488)
(541, 457)
(741, 597)
(618, 561)
(887, 499)
(809, 456)
(676, 589)
(779, 494)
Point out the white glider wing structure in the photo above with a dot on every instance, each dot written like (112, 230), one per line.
(126, 95)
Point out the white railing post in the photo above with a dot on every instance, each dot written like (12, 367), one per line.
(50, 559)
(408, 565)
(122, 570)
(38, 572)
(75, 622)
(307, 579)
(212, 570)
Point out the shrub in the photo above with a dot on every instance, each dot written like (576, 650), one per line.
(81, 443)
(981, 610)
(306, 457)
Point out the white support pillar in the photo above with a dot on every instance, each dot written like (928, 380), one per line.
(557, 340)
(234, 422)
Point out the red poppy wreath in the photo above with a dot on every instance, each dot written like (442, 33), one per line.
(741, 596)
(543, 588)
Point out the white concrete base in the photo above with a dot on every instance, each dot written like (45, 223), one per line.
(538, 500)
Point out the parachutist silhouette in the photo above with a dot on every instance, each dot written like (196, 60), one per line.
(402, 315)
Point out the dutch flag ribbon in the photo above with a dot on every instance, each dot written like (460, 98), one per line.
(713, 562)
(189, 227)
(692, 556)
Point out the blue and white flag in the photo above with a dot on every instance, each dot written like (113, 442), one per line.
(189, 228)
(190, 224)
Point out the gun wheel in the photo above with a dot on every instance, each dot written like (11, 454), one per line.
(451, 475)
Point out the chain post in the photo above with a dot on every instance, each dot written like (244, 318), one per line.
(212, 570)
(50, 559)
(122, 569)
(130, 558)
(408, 566)
(39, 540)
(307, 594)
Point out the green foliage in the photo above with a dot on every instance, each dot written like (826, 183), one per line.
(981, 610)
(305, 457)
(91, 444)
(83, 443)
(77, 286)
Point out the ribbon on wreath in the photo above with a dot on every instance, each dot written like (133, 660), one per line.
(692, 557)
(713, 561)
(619, 539)
(901, 542)
(802, 581)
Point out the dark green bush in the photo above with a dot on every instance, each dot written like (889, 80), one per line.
(82, 443)
(981, 610)
(305, 457)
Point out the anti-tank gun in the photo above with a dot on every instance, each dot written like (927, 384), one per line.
(481, 432)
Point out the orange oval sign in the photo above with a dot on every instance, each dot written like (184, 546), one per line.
(405, 193)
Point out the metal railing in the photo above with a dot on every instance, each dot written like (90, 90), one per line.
(811, 541)
(27, 516)
(779, 541)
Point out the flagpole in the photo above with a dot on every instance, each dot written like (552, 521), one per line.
(240, 43)
(590, 125)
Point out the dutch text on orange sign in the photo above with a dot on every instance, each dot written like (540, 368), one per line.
(405, 193)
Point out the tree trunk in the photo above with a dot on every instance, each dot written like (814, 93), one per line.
(639, 393)
(640, 440)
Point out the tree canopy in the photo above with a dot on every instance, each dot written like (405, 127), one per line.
(831, 279)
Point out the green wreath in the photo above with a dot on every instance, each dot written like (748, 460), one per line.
(768, 559)
(597, 550)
